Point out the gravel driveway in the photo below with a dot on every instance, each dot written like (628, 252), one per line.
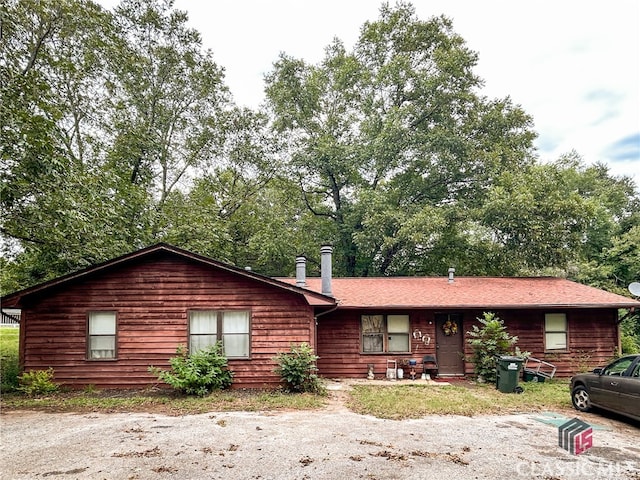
(332, 443)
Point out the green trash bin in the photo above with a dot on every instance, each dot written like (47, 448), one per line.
(508, 370)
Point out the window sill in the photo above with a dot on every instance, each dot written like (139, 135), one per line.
(404, 354)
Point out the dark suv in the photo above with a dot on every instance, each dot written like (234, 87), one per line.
(615, 387)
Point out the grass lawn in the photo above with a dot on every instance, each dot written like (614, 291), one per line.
(394, 401)
(390, 402)
(9, 368)
(463, 398)
(161, 401)
(9, 341)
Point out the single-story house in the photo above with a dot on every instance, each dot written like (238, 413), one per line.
(105, 325)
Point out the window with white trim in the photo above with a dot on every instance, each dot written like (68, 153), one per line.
(555, 331)
(385, 333)
(231, 327)
(101, 336)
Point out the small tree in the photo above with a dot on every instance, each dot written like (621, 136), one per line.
(297, 369)
(197, 374)
(488, 342)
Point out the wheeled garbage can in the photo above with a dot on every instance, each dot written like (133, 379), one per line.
(508, 370)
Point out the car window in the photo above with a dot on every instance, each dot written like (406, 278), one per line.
(617, 367)
(636, 371)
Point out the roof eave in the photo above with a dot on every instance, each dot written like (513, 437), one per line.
(313, 298)
(533, 306)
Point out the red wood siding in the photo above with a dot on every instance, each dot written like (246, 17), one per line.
(151, 300)
(592, 337)
(339, 344)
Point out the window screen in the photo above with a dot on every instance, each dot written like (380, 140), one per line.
(208, 327)
(398, 330)
(555, 329)
(385, 333)
(372, 333)
(203, 328)
(102, 335)
(235, 337)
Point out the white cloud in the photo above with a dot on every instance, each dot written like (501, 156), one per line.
(572, 65)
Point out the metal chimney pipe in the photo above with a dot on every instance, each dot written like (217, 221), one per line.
(326, 252)
(301, 271)
(451, 272)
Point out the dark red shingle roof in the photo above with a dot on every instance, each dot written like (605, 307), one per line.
(468, 292)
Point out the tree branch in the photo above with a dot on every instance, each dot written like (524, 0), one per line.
(310, 208)
(7, 233)
(39, 43)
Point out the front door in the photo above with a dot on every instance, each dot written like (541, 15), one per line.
(449, 344)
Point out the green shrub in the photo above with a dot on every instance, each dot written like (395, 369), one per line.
(297, 369)
(630, 334)
(629, 344)
(488, 342)
(90, 389)
(197, 374)
(9, 373)
(37, 382)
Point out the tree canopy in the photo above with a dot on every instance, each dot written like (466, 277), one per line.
(118, 131)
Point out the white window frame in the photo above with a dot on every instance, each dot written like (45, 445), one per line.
(552, 332)
(216, 332)
(103, 334)
(386, 331)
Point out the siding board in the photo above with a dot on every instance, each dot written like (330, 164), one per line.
(592, 333)
(152, 300)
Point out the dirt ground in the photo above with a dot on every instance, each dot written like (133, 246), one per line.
(331, 443)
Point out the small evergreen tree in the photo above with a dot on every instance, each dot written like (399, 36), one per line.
(488, 342)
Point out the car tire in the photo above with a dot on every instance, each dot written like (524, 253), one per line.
(580, 399)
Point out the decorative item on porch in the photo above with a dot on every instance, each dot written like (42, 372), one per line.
(370, 374)
(450, 328)
(423, 337)
(412, 364)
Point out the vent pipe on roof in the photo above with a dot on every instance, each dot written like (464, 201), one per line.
(301, 271)
(451, 272)
(325, 268)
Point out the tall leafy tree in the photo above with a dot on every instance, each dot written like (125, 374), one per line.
(561, 216)
(118, 131)
(105, 115)
(166, 97)
(51, 72)
(240, 209)
(385, 134)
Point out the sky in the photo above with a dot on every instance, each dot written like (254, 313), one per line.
(573, 65)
